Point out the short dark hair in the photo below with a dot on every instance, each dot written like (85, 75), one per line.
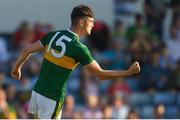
(79, 12)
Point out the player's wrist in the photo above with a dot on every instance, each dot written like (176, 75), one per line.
(129, 72)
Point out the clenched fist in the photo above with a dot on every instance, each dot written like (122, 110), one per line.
(16, 73)
(134, 68)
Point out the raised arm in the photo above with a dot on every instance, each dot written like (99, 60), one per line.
(24, 55)
(95, 69)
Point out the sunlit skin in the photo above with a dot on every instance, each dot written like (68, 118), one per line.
(88, 25)
(84, 26)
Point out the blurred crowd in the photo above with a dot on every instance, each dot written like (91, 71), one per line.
(154, 93)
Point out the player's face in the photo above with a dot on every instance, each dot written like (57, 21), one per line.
(88, 25)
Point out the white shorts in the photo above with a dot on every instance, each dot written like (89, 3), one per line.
(44, 107)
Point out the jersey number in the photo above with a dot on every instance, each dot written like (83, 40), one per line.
(60, 43)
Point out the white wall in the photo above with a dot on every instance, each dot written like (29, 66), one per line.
(56, 12)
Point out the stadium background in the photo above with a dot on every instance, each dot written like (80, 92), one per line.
(125, 30)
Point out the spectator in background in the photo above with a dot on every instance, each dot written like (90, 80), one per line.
(125, 7)
(139, 47)
(159, 111)
(18, 34)
(166, 59)
(26, 38)
(177, 24)
(22, 98)
(176, 75)
(2, 77)
(3, 51)
(155, 14)
(175, 5)
(107, 112)
(118, 32)
(90, 84)
(119, 46)
(92, 109)
(11, 99)
(32, 69)
(11, 93)
(39, 31)
(120, 109)
(139, 28)
(115, 56)
(4, 109)
(47, 28)
(25, 83)
(133, 115)
(100, 34)
(173, 43)
(78, 115)
(154, 73)
(118, 86)
(68, 111)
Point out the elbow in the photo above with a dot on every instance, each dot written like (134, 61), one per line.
(101, 78)
(97, 73)
(100, 75)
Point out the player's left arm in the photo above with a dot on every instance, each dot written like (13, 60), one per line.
(24, 55)
(86, 60)
(95, 69)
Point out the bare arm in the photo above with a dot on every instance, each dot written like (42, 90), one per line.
(95, 69)
(25, 54)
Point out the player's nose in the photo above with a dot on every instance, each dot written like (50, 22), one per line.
(92, 25)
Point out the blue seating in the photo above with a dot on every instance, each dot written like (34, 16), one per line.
(165, 98)
(145, 103)
(132, 83)
(138, 99)
(171, 112)
(178, 100)
(147, 112)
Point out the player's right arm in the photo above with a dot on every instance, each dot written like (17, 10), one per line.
(24, 55)
(95, 69)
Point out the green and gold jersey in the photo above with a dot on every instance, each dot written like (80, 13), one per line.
(63, 53)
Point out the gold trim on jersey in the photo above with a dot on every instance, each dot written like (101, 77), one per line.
(64, 61)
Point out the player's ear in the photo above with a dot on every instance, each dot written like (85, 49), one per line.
(81, 22)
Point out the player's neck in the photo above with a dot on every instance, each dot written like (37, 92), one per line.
(76, 30)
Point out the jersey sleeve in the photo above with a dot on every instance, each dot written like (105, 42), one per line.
(45, 40)
(84, 56)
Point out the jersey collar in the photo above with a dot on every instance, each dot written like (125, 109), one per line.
(72, 32)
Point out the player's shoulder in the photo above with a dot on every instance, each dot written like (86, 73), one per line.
(64, 31)
(67, 33)
(80, 46)
(55, 31)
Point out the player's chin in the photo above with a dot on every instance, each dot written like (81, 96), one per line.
(89, 32)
